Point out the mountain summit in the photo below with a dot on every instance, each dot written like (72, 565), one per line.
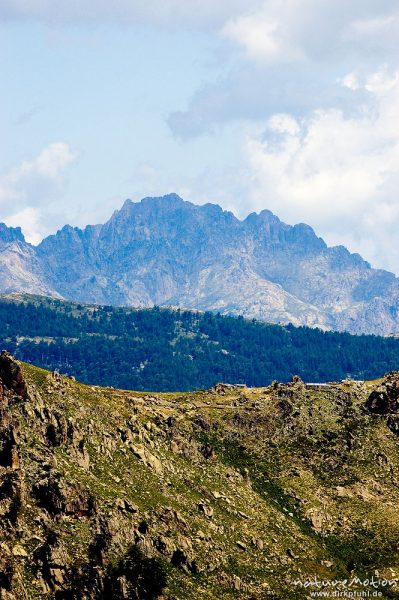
(166, 251)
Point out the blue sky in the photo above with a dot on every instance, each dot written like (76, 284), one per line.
(289, 106)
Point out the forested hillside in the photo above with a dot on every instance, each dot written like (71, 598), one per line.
(165, 349)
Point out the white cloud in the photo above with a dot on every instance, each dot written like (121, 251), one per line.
(282, 123)
(294, 56)
(29, 220)
(298, 29)
(259, 37)
(349, 81)
(337, 173)
(32, 186)
(255, 93)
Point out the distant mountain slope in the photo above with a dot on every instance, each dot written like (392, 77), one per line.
(165, 251)
(162, 349)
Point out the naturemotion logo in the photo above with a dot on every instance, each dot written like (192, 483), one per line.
(346, 588)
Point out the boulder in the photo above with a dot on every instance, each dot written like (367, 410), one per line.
(7, 568)
(11, 375)
(385, 398)
(206, 509)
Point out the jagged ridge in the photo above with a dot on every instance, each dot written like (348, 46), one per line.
(166, 251)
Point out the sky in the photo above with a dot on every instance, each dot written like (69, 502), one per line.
(291, 106)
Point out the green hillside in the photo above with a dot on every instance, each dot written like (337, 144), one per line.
(243, 494)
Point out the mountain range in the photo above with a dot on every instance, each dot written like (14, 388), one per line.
(168, 252)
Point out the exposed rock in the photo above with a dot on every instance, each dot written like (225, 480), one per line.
(57, 497)
(165, 545)
(126, 506)
(206, 509)
(11, 375)
(9, 449)
(292, 274)
(147, 458)
(56, 430)
(385, 399)
(203, 422)
(7, 569)
(222, 388)
(51, 561)
(393, 423)
(259, 544)
(174, 447)
(11, 497)
(183, 560)
(207, 451)
(233, 582)
(135, 576)
(285, 407)
(19, 551)
(317, 518)
(327, 563)
(77, 445)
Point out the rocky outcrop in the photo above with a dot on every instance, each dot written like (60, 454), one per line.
(385, 398)
(11, 378)
(7, 568)
(12, 389)
(164, 251)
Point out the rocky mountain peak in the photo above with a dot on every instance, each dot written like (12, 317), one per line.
(305, 239)
(167, 251)
(167, 203)
(10, 234)
(263, 217)
(270, 229)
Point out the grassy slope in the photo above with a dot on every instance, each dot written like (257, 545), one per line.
(301, 483)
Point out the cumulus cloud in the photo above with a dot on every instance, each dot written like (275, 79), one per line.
(340, 174)
(29, 219)
(259, 37)
(299, 29)
(28, 188)
(254, 93)
(292, 55)
(324, 77)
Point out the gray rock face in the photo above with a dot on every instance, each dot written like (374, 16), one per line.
(166, 251)
(21, 270)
